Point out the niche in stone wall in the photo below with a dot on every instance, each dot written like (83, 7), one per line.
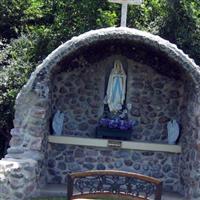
(153, 89)
(156, 99)
(79, 94)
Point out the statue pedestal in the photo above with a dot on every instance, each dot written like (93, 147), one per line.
(111, 133)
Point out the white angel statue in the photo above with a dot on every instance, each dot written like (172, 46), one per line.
(57, 123)
(173, 131)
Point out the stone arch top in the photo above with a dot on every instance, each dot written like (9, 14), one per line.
(43, 71)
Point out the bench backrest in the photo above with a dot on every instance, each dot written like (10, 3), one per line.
(113, 184)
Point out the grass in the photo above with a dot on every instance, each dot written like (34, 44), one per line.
(50, 198)
(65, 198)
(54, 198)
(59, 198)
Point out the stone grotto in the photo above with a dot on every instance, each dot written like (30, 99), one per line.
(162, 84)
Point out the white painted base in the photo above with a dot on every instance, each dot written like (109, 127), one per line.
(95, 142)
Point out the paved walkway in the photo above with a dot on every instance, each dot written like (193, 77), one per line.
(61, 190)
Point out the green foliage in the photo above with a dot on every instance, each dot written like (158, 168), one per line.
(11, 14)
(16, 66)
(50, 198)
(175, 20)
(17, 16)
(64, 198)
(106, 18)
(55, 21)
(145, 17)
(181, 25)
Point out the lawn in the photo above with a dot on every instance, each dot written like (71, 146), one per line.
(65, 198)
(50, 198)
(53, 198)
(58, 198)
(62, 198)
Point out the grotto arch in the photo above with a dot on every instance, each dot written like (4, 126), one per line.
(33, 104)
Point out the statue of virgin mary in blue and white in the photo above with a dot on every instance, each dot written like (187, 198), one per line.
(116, 89)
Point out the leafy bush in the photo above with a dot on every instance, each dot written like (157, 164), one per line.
(16, 65)
(181, 25)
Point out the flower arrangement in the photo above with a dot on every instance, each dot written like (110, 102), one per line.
(116, 123)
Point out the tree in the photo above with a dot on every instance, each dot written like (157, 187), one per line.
(16, 67)
(181, 25)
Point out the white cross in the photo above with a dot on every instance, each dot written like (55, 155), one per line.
(124, 8)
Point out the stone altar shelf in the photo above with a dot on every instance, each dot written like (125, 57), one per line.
(93, 142)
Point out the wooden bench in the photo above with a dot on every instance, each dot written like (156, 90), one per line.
(103, 184)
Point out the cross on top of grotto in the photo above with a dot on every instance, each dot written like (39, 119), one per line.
(124, 8)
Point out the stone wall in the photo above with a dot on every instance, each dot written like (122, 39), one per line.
(31, 125)
(79, 94)
(18, 178)
(155, 98)
(66, 158)
(23, 169)
(190, 157)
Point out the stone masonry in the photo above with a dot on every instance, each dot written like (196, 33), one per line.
(17, 178)
(64, 159)
(155, 100)
(79, 95)
(29, 147)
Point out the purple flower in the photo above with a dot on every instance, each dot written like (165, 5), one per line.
(104, 122)
(116, 123)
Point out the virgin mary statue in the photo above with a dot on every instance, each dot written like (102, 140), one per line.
(115, 94)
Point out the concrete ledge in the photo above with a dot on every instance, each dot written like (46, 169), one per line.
(54, 190)
(93, 142)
